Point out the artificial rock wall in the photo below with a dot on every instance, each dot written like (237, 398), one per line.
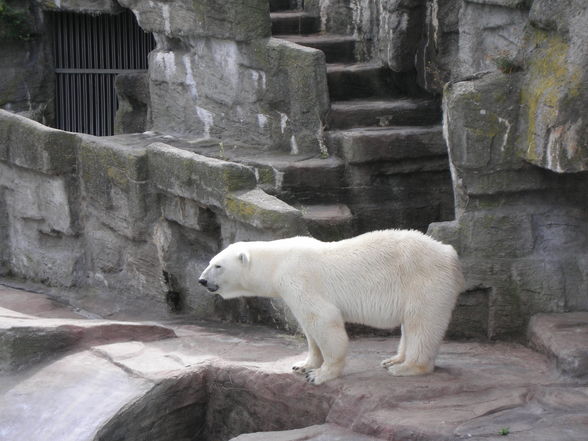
(129, 224)
(26, 74)
(517, 137)
(216, 73)
(388, 31)
(121, 217)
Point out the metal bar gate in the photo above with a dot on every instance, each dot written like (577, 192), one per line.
(89, 51)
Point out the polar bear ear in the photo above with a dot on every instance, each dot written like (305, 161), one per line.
(244, 257)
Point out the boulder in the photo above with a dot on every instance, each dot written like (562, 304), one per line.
(563, 338)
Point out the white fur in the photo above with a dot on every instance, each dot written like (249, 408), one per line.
(383, 279)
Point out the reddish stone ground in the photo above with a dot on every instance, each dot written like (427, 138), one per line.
(65, 377)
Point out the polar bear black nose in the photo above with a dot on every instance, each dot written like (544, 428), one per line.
(203, 282)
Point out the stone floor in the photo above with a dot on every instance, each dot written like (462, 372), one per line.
(66, 377)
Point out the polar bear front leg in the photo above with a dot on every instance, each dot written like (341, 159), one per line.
(313, 360)
(329, 333)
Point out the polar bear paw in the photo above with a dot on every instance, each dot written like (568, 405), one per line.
(299, 368)
(407, 370)
(321, 375)
(303, 367)
(397, 359)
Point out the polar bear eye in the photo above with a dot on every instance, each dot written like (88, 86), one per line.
(217, 266)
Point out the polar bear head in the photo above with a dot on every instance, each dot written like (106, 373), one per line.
(227, 271)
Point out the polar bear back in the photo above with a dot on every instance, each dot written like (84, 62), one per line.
(375, 279)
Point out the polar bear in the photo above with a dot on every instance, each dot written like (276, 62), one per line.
(383, 279)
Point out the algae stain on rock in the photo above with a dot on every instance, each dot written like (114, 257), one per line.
(550, 82)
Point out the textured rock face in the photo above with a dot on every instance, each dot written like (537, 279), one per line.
(553, 126)
(26, 73)
(463, 38)
(128, 222)
(490, 32)
(133, 114)
(85, 6)
(215, 73)
(387, 31)
(517, 149)
(563, 337)
(438, 51)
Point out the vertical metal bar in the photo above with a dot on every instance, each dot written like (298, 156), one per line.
(87, 110)
(58, 95)
(81, 109)
(99, 47)
(133, 41)
(114, 104)
(102, 110)
(71, 37)
(108, 104)
(88, 41)
(113, 34)
(91, 104)
(118, 49)
(66, 107)
(76, 43)
(75, 97)
(63, 102)
(84, 40)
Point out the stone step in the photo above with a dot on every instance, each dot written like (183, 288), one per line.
(564, 338)
(337, 48)
(364, 145)
(384, 113)
(294, 22)
(328, 222)
(365, 80)
(280, 5)
(307, 181)
(296, 179)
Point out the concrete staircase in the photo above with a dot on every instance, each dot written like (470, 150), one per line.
(383, 135)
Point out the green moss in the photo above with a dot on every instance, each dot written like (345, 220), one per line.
(248, 208)
(266, 176)
(118, 177)
(490, 128)
(15, 23)
(237, 178)
(507, 65)
(241, 209)
(549, 81)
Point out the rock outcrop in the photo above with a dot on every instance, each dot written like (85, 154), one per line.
(128, 222)
(26, 74)
(217, 382)
(215, 73)
(517, 151)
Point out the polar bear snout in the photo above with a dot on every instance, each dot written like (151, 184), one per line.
(210, 286)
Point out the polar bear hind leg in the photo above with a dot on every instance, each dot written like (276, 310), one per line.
(400, 353)
(422, 339)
